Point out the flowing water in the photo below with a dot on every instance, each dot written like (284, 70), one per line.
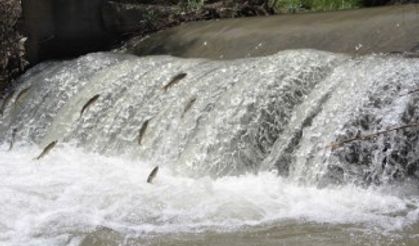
(299, 148)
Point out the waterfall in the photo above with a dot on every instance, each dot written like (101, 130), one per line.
(295, 143)
(229, 117)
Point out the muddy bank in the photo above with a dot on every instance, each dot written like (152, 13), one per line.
(384, 29)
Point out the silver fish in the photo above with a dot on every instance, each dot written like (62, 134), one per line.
(5, 102)
(152, 175)
(405, 54)
(174, 81)
(142, 132)
(188, 106)
(90, 102)
(412, 55)
(12, 140)
(22, 93)
(46, 150)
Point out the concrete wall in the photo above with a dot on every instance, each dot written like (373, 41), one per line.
(64, 28)
(363, 31)
(67, 28)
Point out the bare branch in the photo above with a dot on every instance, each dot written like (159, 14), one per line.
(410, 92)
(360, 137)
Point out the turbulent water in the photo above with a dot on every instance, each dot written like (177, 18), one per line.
(301, 147)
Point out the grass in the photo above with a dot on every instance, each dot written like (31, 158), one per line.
(292, 6)
(321, 5)
(194, 4)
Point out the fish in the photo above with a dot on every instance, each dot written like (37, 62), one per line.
(12, 140)
(411, 54)
(153, 174)
(90, 102)
(142, 131)
(174, 81)
(22, 93)
(46, 150)
(405, 54)
(188, 106)
(5, 102)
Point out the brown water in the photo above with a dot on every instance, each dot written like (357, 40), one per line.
(285, 233)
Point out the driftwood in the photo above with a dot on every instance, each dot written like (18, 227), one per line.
(360, 137)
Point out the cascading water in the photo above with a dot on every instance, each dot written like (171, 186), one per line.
(221, 132)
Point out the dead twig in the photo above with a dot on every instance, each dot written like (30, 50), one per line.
(360, 137)
(410, 92)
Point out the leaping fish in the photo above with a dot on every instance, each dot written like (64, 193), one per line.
(22, 93)
(152, 175)
(174, 81)
(412, 55)
(46, 150)
(12, 140)
(90, 102)
(142, 131)
(188, 106)
(5, 102)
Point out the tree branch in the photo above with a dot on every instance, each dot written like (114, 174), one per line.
(360, 137)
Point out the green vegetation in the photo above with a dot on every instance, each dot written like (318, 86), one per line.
(332, 4)
(194, 4)
(284, 6)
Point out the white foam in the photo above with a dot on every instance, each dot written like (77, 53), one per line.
(71, 192)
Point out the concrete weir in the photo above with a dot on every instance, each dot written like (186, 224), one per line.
(361, 31)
